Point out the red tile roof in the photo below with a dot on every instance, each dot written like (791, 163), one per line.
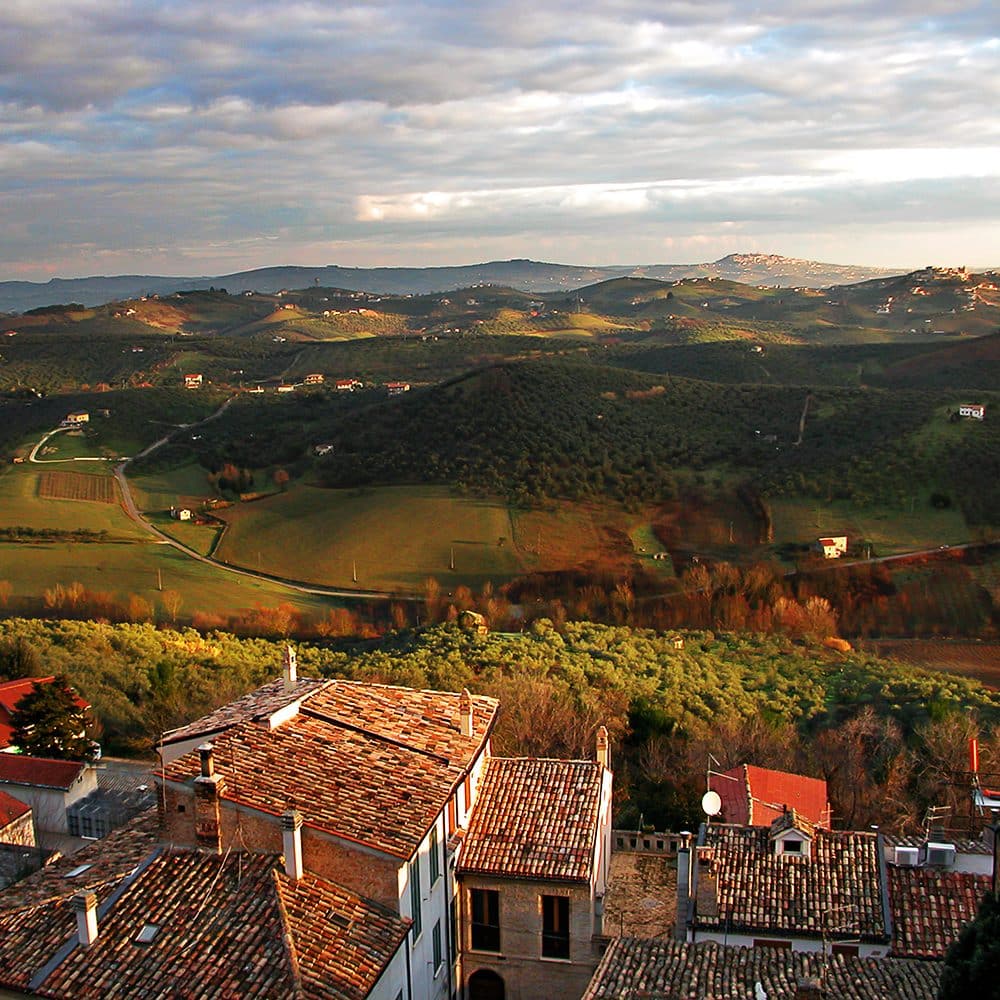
(11, 809)
(264, 700)
(229, 925)
(757, 795)
(673, 970)
(236, 926)
(536, 819)
(756, 891)
(367, 762)
(19, 769)
(930, 907)
(11, 692)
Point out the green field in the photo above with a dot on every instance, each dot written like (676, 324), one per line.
(21, 506)
(890, 530)
(396, 537)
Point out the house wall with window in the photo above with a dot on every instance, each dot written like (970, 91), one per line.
(542, 944)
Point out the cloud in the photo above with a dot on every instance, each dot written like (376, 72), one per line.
(390, 131)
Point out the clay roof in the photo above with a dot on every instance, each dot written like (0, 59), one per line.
(11, 809)
(758, 795)
(264, 700)
(536, 819)
(838, 887)
(672, 970)
(19, 769)
(231, 926)
(11, 692)
(368, 762)
(963, 845)
(930, 907)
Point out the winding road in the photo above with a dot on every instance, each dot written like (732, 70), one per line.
(134, 514)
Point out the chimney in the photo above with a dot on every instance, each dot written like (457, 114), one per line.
(974, 755)
(290, 669)
(465, 712)
(603, 748)
(291, 839)
(809, 988)
(208, 789)
(206, 752)
(683, 886)
(84, 905)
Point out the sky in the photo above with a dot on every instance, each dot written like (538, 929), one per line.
(200, 138)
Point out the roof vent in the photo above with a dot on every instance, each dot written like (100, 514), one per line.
(940, 855)
(147, 934)
(906, 857)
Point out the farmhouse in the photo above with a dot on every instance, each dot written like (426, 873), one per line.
(395, 388)
(316, 378)
(832, 547)
(974, 411)
(285, 387)
(181, 513)
(193, 381)
(77, 419)
(347, 384)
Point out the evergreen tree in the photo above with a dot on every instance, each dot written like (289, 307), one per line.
(970, 967)
(48, 722)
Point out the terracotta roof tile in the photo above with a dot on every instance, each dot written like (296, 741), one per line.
(263, 701)
(11, 809)
(757, 891)
(758, 795)
(225, 926)
(930, 907)
(18, 769)
(370, 763)
(35, 918)
(535, 819)
(672, 970)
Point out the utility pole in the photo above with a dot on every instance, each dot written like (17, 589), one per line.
(354, 570)
(159, 579)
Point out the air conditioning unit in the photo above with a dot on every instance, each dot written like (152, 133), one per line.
(906, 857)
(940, 855)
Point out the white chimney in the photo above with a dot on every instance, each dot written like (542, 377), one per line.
(465, 712)
(603, 748)
(291, 839)
(290, 669)
(85, 906)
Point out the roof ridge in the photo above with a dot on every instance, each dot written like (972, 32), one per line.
(333, 721)
(287, 937)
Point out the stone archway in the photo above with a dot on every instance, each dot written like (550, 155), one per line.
(486, 985)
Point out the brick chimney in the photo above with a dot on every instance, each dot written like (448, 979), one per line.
(289, 669)
(465, 712)
(603, 748)
(291, 839)
(84, 905)
(208, 789)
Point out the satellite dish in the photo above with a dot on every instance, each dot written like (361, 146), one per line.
(711, 804)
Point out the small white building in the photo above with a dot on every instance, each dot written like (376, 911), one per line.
(77, 419)
(974, 411)
(181, 513)
(193, 381)
(833, 547)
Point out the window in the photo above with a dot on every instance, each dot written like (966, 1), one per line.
(435, 855)
(452, 932)
(436, 943)
(415, 896)
(555, 927)
(792, 847)
(485, 919)
(848, 950)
